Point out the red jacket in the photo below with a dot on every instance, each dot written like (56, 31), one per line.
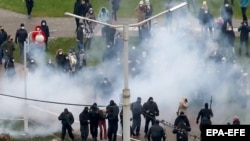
(37, 31)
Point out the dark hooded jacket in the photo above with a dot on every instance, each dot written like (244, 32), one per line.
(21, 35)
(156, 132)
(78, 8)
(136, 108)
(84, 117)
(45, 29)
(151, 107)
(94, 114)
(112, 112)
(66, 117)
(205, 114)
(3, 36)
(244, 30)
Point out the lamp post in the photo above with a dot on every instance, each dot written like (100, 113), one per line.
(38, 39)
(126, 90)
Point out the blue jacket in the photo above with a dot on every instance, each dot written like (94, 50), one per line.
(244, 3)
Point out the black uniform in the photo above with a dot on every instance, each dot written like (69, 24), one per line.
(136, 108)
(67, 120)
(150, 111)
(84, 124)
(156, 132)
(94, 118)
(204, 114)
(112, 116)
(182, 127)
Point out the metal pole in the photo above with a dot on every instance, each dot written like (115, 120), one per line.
(26, 47)
(126, 91)
(25, 88)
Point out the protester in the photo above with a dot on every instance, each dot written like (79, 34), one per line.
(8, 48)
(103, 15)
(86, 7)
(205, 18)
(67, 119)
(228, 45)
(140, 13)
(236, 120)
(80, 36)
(21, 36)
(89, 28)
(3, 38)
(29, 6)
(102, 124)
(244, 30)
(148, 11)
(226, 13)
(183, 105)
(78, 11)
(45, 29)
(60, 60)
(115, 8)
(243, 6)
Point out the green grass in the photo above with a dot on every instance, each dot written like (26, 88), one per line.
(57, 8)
(94, 54)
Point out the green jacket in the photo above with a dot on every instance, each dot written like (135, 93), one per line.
(8, 48)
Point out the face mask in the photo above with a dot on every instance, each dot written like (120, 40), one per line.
(104, 81)
(60, 53)
(22, 27)
(43, 23)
